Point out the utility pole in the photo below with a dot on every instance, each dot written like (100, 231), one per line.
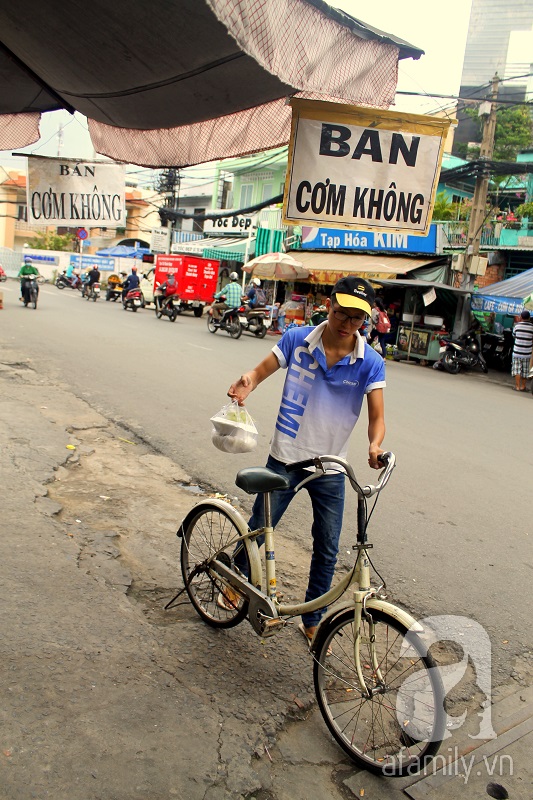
(169, 185)
(478, 213)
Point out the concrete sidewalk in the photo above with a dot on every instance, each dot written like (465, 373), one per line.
(107, 697)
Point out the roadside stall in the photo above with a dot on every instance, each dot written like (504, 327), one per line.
(425, 311)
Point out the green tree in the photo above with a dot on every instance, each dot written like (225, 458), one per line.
(52, 241)
(513, 133)
(446, 209)
(443, 208)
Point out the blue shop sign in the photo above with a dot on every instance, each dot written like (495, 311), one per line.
(499, 305)
(339, 239)
(86, 262)
(35, 257)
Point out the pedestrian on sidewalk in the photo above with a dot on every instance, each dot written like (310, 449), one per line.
(330, 370)
(381, 322)
(522, 350)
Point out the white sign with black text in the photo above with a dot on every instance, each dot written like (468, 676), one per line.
(160, 240)
(74, 193)
(362, 168)
(238, 225)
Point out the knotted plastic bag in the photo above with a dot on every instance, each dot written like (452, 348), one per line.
(234, 430)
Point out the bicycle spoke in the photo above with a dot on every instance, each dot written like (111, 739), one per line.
(391, 719)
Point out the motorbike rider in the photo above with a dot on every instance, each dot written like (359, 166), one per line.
(131, 282)
(252, 293)
(166, 290)
(232, 293)
(93, 276)
(75, 277)
(27, 269)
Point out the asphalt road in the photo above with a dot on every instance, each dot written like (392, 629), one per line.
(452, 530)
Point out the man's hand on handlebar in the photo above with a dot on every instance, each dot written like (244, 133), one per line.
(373, 457)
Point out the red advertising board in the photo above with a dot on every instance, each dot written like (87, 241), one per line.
(196, 277)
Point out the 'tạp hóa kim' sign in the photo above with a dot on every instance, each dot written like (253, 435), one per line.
(362, 168)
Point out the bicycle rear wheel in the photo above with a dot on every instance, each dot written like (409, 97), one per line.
(212, 532)
(398, 727)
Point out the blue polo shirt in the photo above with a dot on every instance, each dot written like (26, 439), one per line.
(320, 406)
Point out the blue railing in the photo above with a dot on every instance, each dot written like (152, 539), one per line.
(493, 234)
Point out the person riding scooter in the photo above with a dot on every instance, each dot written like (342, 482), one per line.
(93, 276)
(232, 294)
(26, 271)
(131, 282)
(256, 296)
(165, 292)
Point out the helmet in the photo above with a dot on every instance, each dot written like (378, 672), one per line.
(134, 269)
(256, 281)
(233, 276)
(27, 260)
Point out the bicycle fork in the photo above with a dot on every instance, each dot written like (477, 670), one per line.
(360, 597)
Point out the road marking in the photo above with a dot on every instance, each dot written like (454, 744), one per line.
(78, 294)
(199, 346)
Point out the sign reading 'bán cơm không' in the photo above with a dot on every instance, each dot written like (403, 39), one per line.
(362, 168)
(75, 193)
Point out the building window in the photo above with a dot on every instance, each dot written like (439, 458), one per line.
(246, 195)
(198, 224)
(268, 191)
(22, 215)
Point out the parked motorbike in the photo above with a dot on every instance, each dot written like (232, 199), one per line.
(30, 291)
(229, 322)
(3, 276)
(497, 349)
(255, 320)
(461, 353)
(62, 281)
(133, 300)
(92, 291)
(165, 304)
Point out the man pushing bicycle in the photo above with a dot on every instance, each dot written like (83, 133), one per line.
(330, 369)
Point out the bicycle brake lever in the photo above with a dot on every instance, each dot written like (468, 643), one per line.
(310, 477)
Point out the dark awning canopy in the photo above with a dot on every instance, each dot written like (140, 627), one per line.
(135, 66)
(405, 283)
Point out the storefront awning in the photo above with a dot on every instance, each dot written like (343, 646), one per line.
(327, 268)
(422, 285)
(221, 248)
(232, 250)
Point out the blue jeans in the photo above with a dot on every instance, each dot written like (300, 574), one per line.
(327, 500)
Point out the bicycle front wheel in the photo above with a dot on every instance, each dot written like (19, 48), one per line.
(396, 725)
(212, 533)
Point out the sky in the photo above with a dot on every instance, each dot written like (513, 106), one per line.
(439, 29)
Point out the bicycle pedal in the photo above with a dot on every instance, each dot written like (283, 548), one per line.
(272, 624)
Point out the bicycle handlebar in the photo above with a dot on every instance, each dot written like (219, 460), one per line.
(307, 462)
(388, 460)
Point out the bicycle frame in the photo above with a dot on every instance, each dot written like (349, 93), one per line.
(363, 595)
(354, 638)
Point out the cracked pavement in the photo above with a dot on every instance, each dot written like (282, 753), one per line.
(105, 694)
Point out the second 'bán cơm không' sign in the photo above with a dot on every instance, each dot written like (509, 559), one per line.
(362, 168)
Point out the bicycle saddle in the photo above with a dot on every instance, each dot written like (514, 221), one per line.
(254, 480)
